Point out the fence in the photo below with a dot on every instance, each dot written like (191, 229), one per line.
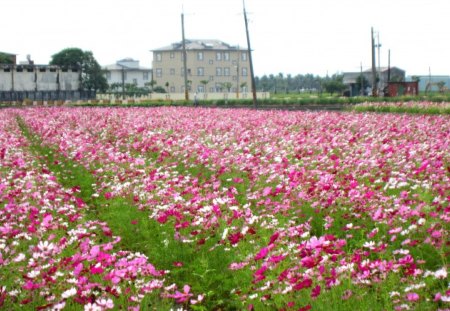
(181, 96)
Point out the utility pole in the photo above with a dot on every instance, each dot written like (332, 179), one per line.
(250, 57)
(362, 81)
(374, 71)
(379, 63)
(186, 91)
(389, 66)
(237, 73)
(123, 82)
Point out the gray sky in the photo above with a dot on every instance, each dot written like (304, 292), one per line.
(288, 36)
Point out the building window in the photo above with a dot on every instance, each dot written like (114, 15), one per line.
(226, 71)
(226, 56)
(199, 55)
(200, 71)
(145, 75)
(244, 71)
(218, 56)
(172, 89)
(135, 81)
(201, 89)
(244, 56)
(158, 72)
(172, 71)
(211, 78)
(211, 62)
(108, 75)
(172, 54)
(158, 57)
(218, 87)
(218, 71)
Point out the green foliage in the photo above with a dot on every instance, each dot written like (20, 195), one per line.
(397, 109)
(5, 59)
(334, 85)
(159, 89)
(92, 75)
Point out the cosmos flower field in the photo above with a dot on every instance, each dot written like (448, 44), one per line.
(210, 209)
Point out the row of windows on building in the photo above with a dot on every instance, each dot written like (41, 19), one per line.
(40, 69)
(225, 71)
(220, 56)
(145, 76)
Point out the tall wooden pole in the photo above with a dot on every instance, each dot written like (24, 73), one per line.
(362, 81)
(389, 66)
(186, 90)
(250, 58)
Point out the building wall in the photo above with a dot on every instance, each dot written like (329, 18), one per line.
(215, 66)
(38, 78)
(6, 79)
(425, 79)
(130, 76)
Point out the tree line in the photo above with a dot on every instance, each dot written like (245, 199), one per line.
(281, 83)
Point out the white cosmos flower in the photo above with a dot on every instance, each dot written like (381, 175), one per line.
(45, 246)
(440, 274)
(69, 293)
(19, 257)
(369, 245)
(32, 274)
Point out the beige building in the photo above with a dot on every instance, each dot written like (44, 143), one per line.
(212, 67)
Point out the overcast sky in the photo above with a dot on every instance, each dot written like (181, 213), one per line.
(288, 36)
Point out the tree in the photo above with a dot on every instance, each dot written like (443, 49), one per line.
(5, 59)
(415, 78)
(92, 75)
(159, 89)
(205, 88)
(361, 83)
(334, 85)
(227, 86)
(204, 82)
(152, 84)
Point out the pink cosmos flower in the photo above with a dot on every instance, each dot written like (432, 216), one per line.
(412, 297)
(182, 296)
(262, 253)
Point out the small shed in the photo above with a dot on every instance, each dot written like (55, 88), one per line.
(403, 88)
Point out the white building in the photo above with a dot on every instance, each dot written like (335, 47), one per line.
(127, 71)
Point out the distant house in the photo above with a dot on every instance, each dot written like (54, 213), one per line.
(127, 71)
(12, 57)
(432, 83)
(384, 74)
